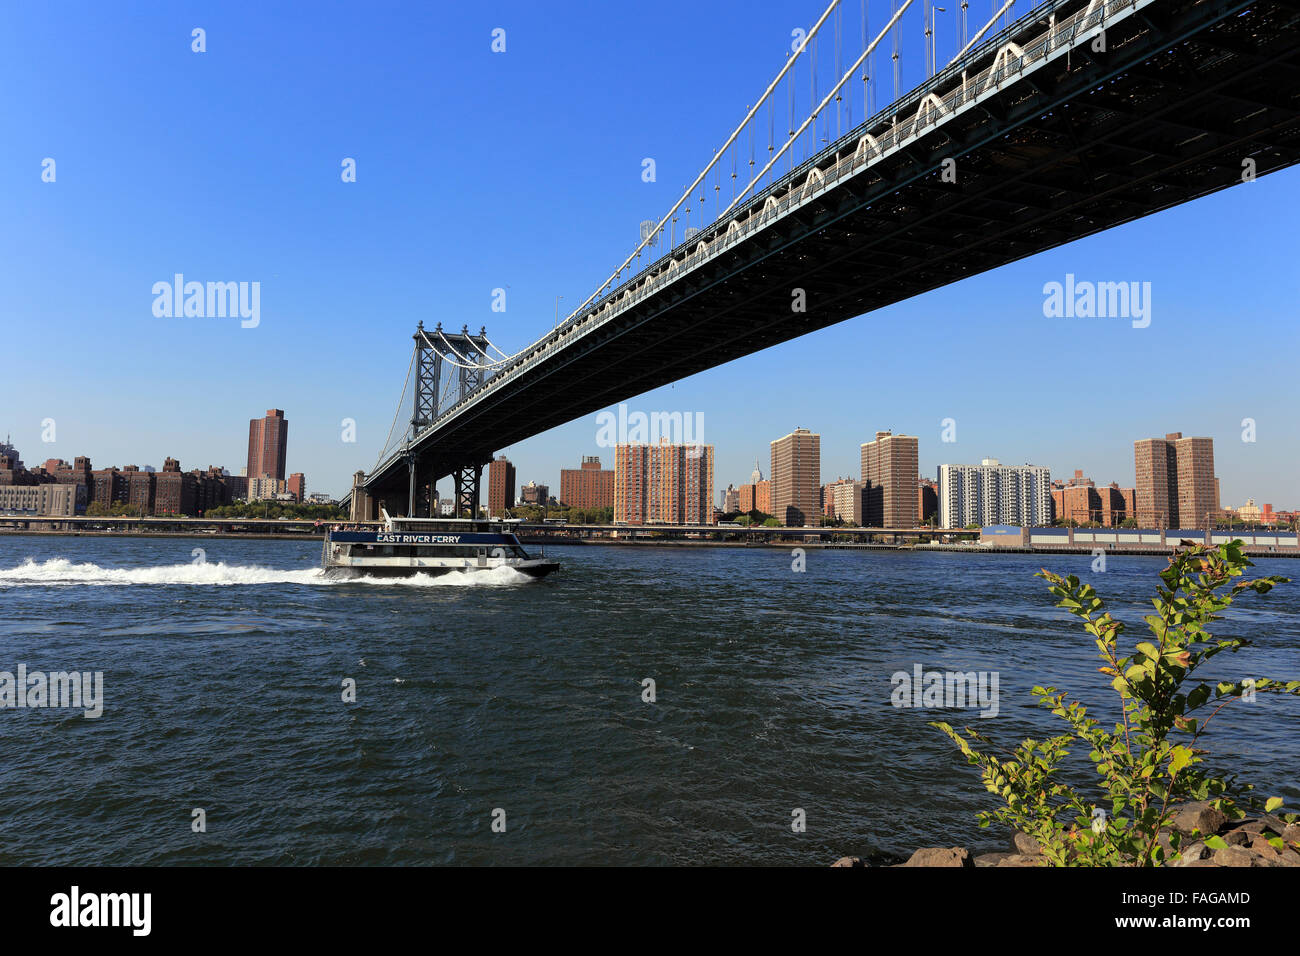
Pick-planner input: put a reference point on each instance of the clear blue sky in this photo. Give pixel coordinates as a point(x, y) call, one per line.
point(522, 170)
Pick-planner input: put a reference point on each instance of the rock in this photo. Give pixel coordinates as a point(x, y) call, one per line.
point(1289, 857)
point(1024, 844)
point(1023, 859)
point(1200, 818)
point(991, 859)
point(848, 861)
point(1209, 863)
point(1197, 851)
point(1275, 824)
point(1263, 848)
point(940, 856)
point(1238, 837)
point(1234, 856)
point(1292, 833)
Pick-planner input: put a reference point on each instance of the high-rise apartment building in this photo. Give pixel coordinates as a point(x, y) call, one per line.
point(1176, 486)
point(992, 493)
point(847, 500)
point(889, 471)
point(268, 439)
point(587, 487)
point(501, 486)
point(663, 484)
point(796, 478)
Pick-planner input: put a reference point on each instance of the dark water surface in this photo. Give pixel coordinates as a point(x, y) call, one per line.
point(222, 686)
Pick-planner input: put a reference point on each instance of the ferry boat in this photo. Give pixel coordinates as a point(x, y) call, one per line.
point(408, 546)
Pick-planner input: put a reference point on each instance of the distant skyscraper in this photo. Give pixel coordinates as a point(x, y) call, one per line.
point(796, 478)
point(534, 494)
point(889, 471)
point(268, 438)
point(992, 493)
point(501, 486)
point(1176, 486)
point(663, 484)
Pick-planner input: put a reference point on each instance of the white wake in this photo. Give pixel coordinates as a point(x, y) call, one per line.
point(60, 572)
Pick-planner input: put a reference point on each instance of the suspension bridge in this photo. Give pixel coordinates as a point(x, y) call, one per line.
point(1077, 117)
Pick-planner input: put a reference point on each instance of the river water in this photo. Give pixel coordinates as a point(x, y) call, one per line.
point(501, 698)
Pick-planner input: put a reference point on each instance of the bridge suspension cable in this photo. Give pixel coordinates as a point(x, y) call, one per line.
point(722, 151)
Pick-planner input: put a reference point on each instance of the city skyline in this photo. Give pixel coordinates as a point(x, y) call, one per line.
point(518, 475)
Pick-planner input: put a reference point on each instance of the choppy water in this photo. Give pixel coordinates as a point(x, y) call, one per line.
point(222, 686)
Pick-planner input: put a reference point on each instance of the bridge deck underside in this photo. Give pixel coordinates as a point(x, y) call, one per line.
point(1077, 147)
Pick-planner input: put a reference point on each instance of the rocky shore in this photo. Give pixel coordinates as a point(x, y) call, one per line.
point(1246, 844)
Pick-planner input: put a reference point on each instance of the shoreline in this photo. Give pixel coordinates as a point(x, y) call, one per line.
point(544, 541)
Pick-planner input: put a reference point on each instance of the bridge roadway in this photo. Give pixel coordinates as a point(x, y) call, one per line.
point(1051, 144)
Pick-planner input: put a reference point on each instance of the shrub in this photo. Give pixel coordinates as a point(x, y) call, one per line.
point(1155, 758)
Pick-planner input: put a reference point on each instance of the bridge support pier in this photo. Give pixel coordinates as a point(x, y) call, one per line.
point(468, 479)
point(410, 497)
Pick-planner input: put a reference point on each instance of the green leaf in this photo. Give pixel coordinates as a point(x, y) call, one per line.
point(1216, 843)
point(1272, 804)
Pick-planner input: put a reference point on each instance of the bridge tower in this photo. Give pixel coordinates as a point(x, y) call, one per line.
point(468, 356)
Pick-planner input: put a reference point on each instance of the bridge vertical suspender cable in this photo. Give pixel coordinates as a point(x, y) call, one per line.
point(843, 79)
point(685, 197)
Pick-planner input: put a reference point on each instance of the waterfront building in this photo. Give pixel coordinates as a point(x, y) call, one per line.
point(587, 487)
point(663, 484)
point(109, 488)
point(796, 478)
point(7, 450)
point(297, 486)
point(268, 440)
point(534, 494)
point(1176, 486)
point(265, 488)
point(757, 495)
point(501, 486)
point(992, 493)
point(47, 498)
point(140, 488)
point(927, 499)
point(847, 500)
point(174, 491)
point(731, 500)
point(889, 470)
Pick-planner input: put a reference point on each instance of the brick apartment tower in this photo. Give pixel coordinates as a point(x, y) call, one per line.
point(501, 486)
point(588, 487)
point(889, 470)
point(1197, 497)
point(268, 438)
point(668, 484)
point(796, 478)
point(1175, 481)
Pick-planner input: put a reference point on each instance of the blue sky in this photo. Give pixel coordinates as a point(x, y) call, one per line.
point(522, 170)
